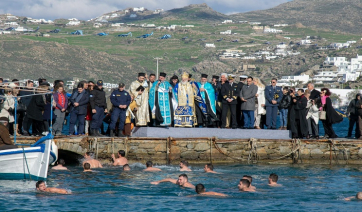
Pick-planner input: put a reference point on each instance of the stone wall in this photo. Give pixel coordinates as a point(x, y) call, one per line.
point(213, 150)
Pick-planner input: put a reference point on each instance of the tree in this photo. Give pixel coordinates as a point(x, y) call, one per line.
point(335, 97)
point(352, 95)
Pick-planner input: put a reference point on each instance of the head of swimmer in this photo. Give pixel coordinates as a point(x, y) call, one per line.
point(208, 167)
point(149, 164)
point(200, 188)
point(87, 166)
point(248, 177)
point(243, 184)
point(183, 164)
point(88, 155)
point(40, 185)
point(182, 179)
point(273, 178)
point(121, 153)
point(126, 167)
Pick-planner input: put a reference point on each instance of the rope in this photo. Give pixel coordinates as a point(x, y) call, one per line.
point(26, 161)
point(253, 151)
point(292, 152)
point(218, 149)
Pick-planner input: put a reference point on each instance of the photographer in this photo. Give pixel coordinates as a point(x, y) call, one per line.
point(312, 116)
point(283, 108)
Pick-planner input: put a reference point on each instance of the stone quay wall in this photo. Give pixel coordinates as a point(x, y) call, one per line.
point(212, 150)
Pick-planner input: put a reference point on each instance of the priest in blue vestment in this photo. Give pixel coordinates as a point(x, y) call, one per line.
point(206, 105)
point(160, 101)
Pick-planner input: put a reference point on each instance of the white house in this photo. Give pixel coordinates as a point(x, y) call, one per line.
point(305, 42)
point(21, 29)
point(11, 24)
point(210, 45)
point(72, 19)
point(73, 23)
point(227, 22)
point(272, 30)
point(254, 23)
point(280, 25)
point(97, 25)
point(293, 80)
point(325, 77)
point(11, 17)
point(227, 32)
point(114, 15)
point(188, 26)
point(281, 46)
point(133, 16)
point(157, 11)
point(116, 24)
point(138, 9)
point(351, 41)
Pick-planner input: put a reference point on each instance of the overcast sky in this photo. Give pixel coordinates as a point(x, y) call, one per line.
point(87, 9)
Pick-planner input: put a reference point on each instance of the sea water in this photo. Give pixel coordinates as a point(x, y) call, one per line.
point(304, 188)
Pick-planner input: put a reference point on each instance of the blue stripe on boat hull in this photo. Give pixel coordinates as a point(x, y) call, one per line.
point(18, 176)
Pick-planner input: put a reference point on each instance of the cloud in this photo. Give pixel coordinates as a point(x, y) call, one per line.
point(86, 9)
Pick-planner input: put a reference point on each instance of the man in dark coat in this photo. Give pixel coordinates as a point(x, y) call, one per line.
point(35, 110)
point(78, 109)
point(98, 103)
point(229, 93)
point(300, 128)
point(26, 100)
point(352, 112)
point(314, 94)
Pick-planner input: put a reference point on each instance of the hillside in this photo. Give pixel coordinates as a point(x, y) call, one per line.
point(334, 15)
point(32, 59)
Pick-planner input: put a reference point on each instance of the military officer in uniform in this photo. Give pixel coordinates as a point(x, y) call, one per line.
point(273, 95)
point(229, 93)
point(120, 100)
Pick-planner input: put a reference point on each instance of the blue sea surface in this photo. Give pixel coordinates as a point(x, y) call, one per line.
point(304, 188)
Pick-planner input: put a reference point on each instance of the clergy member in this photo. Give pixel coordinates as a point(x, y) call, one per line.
point(185, 111)
point(139, 90)
point(161, 101)
point(208, 98)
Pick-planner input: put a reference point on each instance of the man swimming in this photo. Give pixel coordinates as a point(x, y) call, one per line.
point(200, 189)
point(273, 179)
point(87, 167)
point(244, 185)
point(150, 167)
point(250, 178)
point(126, 167)
point(209, 168)
point(182, 181)
point(93, 162)
point(40, 186)
point(121, 160)
point(60, 165)
point(184, 166)
point(358, 196)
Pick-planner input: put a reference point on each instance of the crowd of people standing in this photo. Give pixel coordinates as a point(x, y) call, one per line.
point(220, 103)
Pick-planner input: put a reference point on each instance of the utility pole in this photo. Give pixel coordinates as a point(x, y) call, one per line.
point(157, 58)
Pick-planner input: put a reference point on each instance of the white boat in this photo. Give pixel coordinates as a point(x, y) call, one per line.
point(29, 162)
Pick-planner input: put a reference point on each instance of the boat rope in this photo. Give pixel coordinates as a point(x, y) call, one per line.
point(298, 146)
point(253, 151)
point(223, 153)
point(26, 162)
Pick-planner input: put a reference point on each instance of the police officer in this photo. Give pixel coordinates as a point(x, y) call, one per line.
point(120, 100)
point(229, 93)
point(98, 104)
point(273, 95)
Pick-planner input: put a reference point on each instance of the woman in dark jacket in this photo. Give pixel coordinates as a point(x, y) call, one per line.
point(35, 110)
point(332, 117)
point(78, 109)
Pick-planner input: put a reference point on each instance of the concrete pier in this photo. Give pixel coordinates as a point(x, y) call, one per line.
point(170, 150)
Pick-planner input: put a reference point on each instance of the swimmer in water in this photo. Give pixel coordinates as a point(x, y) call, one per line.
point(182, 181)
point(87, 167)
point(250, 178)
point(209, 168)
point(200, 189)
point(40, 186)
point(184, 166)
point(93, 162)
point(121, 160)
point(126, 167)
point(358, 196)
point(244, 185)
point(150, 167)
point(273, 179)
point(60, 165)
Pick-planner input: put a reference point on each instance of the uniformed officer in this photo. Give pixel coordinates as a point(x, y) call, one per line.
point(229, 93)
point(273, 95)
point(120, 100)
point(98, 104)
